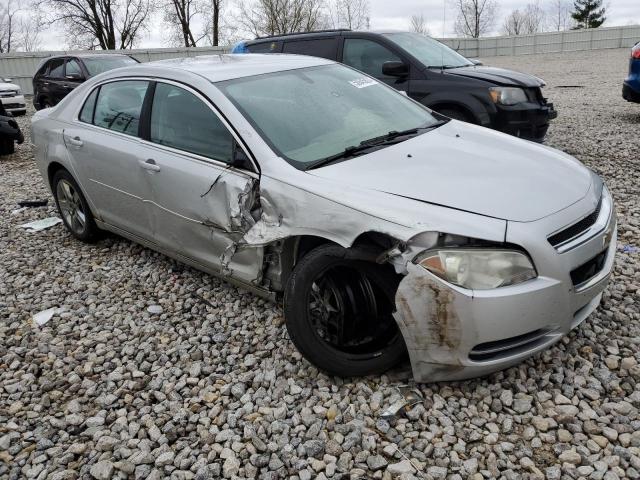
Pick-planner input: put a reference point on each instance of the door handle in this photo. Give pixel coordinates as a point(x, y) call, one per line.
point(149, 164)
point(75, 141)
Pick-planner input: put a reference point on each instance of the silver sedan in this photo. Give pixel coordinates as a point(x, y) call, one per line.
point(386, 229)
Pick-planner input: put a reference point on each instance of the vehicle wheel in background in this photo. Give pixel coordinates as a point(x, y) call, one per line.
point(339, 313)
point(7, 146)
point(73, 208)
point(455, 114)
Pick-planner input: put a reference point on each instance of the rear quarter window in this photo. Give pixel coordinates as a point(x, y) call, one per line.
point(320, 47)
point(265, 47)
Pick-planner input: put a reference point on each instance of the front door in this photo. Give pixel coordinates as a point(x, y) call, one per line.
point(107, 149)
point(202, 205)
point(368, 56)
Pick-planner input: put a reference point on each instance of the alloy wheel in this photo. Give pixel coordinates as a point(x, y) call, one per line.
point(71, 207)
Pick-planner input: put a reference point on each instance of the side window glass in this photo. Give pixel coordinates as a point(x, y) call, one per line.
point(367, 56)
point(265, 47)
point(181, 120)
point(73, 68)
point(86, 114)
point(56, 68)
point(324, 47)
point(119, 105)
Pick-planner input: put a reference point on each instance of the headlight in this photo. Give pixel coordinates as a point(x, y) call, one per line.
point(19, 91)
point(478, 269)
point(507, 95)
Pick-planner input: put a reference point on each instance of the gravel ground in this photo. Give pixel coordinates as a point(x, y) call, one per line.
point(211, 387)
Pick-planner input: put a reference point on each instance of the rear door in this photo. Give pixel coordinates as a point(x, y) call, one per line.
point(368, 56)
point(106, 148)
point(73, 74)
point(54, 81)
point(201, 204)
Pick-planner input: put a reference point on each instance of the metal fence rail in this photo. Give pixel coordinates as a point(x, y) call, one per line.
point(548, 42)
point(21, 66)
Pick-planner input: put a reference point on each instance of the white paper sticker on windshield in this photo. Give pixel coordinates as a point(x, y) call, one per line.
point(363, 82)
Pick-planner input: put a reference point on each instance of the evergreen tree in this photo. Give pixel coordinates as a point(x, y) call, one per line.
point(588, 13)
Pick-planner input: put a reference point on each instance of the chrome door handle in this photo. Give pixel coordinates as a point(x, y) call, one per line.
point(75, 141)
point(149, 164)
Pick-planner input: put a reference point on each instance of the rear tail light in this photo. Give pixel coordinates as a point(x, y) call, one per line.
point(635, 51)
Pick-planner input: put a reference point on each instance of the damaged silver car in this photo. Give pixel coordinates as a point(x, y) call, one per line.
point(386, 228)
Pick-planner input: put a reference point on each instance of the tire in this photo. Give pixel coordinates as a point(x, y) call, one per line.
point(45, 103)
point(7, 146)
point(360, 335)
point(455, 114)
point(73, 208)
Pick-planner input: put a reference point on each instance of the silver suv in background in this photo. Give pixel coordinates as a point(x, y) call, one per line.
point(385, 228)
point(11, 97)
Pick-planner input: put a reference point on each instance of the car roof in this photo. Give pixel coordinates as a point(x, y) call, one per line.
point(217, 68)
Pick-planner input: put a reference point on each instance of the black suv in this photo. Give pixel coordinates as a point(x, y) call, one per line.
point(431, 73)
point(57, 76)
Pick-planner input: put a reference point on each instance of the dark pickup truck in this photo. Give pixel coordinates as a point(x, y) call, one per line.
point(9, 132)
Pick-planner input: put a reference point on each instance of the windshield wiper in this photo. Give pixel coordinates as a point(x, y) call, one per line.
point(448, 67)
point(383, 140)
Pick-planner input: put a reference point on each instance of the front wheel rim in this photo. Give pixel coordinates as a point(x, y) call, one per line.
point(71, 207)
point(350, 312)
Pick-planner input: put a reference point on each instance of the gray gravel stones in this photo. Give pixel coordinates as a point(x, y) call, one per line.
point(209, 386)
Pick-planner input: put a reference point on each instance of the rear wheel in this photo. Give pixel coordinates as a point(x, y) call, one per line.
point(7, 146)
point(339, 313)
point(46, 103)
point(73, 208)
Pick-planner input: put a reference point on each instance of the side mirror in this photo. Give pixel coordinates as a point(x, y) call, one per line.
point(395, 69)
point(475, 61)
point(240, 159)
point(74, 76)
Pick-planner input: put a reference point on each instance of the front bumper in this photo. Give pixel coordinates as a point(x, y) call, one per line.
point(454, 333)
point(16, 104)
point(629, 93)
point(528, 120)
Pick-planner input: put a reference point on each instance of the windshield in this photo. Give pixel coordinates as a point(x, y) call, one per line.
point(313, 113)
point(104, 63)
point(428, 51)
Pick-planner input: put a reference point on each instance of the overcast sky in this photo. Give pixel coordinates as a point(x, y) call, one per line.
point(395, 14)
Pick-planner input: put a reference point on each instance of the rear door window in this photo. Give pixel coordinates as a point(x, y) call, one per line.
point(56, 68)
point(181, 120)
point(319, 47)
point(265, 47)
point(367, 56)
point(73, 68)
point(119, 105)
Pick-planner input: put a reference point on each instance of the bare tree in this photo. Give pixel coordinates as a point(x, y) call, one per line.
point(418, 24)
point(179, 15)
point(524, 22)
point(475, 17)
point(105, 24)
point(29, 32)
point(560, 15)
point(352, 14)
point(276, 17)
point(8, 26)
point(513, 23)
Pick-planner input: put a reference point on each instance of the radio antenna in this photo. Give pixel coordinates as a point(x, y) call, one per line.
point(444, 17)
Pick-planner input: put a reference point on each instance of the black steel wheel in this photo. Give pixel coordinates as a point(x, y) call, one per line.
point(339, 313)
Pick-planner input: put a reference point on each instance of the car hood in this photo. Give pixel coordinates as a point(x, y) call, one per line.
point(499, 76)
point(473, 169)
point(8, 86)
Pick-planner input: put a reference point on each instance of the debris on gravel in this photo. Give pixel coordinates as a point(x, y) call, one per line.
point(150, 369)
